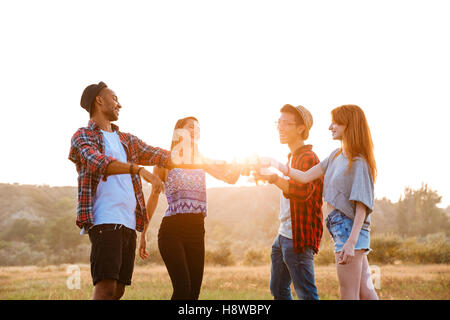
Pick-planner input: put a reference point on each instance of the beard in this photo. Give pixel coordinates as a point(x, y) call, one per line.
point(112, 116)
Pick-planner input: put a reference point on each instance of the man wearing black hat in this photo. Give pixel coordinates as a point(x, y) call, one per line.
point(111, 205)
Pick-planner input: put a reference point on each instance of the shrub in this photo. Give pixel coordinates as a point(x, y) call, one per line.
point(389, 248)
point(23, 230)
point(220, 256)
point(256, 257)
point(19, 254)
point(432, 249)
point(326, 254)
point(386, 248)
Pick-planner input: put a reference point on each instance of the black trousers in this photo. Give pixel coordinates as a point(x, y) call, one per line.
point(181, 242)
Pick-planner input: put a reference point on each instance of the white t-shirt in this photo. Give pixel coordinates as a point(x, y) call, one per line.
point(285, 228)
point(115, 201)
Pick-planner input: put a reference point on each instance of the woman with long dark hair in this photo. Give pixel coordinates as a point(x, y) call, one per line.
point(349, 174)
point(181, 234)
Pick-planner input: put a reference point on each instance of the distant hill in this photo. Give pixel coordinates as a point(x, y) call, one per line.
point(38, 223)
point(41, 219)
point(36, 203)
point(231, 207)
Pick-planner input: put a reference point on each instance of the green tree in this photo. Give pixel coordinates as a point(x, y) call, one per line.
point(62, 234)
point(418, 213)
point(66, 205)
point(383, 219)
point(23, 230)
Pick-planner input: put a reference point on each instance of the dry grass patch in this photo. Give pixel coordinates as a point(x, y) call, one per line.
point(230, 283)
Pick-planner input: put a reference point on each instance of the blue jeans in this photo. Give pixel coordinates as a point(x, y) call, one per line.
point(287, 267)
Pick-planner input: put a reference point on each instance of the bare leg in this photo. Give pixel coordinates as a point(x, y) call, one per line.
point(120, 290)
point(108, 289)
point(367, 290)
point(349, 276)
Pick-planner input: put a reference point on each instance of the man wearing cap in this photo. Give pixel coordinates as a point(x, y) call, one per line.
point(300, 231)
point(111, 205)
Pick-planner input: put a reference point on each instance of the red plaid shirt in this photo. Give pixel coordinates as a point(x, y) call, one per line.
point(87, 152)
point(305, 202)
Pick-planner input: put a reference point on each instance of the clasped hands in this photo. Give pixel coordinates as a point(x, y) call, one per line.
point(258, 168)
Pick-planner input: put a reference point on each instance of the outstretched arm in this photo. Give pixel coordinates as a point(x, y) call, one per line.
point(307, 176)
point(228, 173)
point(117, 167)
point(84, 151)
point(298, 175)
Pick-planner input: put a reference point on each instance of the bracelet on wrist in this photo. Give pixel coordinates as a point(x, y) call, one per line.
point(131, 168)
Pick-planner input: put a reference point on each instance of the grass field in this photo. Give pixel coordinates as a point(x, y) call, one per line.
point(227, 283)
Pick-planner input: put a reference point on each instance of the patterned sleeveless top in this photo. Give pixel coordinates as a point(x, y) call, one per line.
point(185, 191)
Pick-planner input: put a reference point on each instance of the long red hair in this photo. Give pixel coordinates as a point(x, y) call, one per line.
point(356, 140)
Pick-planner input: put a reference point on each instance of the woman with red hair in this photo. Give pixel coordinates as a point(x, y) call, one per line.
point(349, 174)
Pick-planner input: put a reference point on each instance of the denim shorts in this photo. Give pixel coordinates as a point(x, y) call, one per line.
point(340, 227)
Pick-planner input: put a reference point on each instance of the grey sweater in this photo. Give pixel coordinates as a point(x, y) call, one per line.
point(343, 187)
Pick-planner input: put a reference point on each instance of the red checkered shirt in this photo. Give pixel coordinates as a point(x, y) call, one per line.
point(87, 152)
point(305, 202)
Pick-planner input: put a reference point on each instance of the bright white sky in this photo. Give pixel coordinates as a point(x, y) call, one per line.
point(233, 65)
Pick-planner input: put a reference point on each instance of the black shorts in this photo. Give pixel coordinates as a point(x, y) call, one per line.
point(112, 252)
